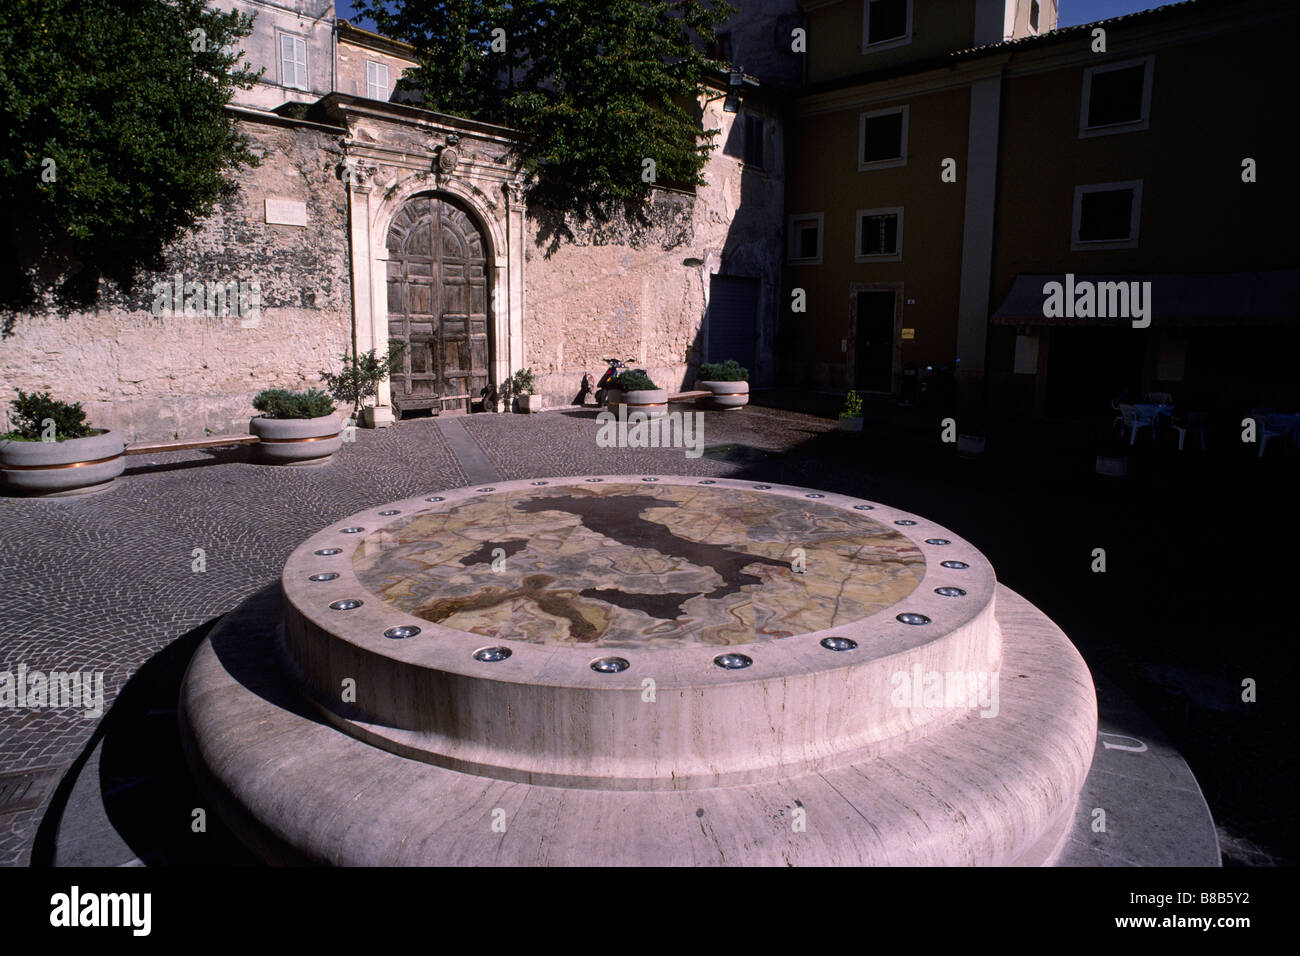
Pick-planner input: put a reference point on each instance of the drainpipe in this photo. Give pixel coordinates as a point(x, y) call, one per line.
point(334, 55)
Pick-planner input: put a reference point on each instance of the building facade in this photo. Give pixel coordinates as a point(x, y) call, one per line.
point(895, 185)
point(949, 160)
point(370, 221)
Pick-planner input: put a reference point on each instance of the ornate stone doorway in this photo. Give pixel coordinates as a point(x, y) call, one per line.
point(437, 305)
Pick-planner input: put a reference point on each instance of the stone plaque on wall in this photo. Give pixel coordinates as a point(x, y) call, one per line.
point(286, 212)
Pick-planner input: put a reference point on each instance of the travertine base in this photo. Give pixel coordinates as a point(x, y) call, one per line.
point(994, 790)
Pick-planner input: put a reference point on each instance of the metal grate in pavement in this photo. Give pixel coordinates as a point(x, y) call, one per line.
point(27, 790)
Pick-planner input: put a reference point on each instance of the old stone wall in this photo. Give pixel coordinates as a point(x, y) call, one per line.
point(635, 290)
point(156, 376)
point(640, 290)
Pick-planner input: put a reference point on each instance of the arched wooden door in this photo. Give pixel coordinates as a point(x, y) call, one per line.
point(437, 305)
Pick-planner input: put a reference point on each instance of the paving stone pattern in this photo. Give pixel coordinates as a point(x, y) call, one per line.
point(105, 581)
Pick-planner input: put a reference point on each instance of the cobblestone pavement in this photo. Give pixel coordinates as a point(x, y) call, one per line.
point(105, 582)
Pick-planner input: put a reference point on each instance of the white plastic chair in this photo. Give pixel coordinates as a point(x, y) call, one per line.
point(1133, 421)
point(1118, 421)
point(1274, 426)
point(1194, 422)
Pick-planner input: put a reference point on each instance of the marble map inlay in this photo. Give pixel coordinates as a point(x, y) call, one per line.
point(635, 566)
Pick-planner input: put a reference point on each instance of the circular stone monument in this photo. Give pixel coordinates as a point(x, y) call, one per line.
point(647, 670)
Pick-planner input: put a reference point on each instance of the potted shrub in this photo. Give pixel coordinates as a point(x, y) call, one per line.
point(728, 381)
point(50, 450)
point(520, 387)
point(295, 428)
point(360, 378)
point(851, 417)
point(634, 391)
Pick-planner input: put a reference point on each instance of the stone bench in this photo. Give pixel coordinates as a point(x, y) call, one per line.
point(438, 402)
point(690, 396)
point(186, 444)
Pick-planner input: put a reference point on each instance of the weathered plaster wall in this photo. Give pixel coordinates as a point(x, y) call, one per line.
point(351, 68)
point(155, 377)
point(640, 291)
point(311, 22)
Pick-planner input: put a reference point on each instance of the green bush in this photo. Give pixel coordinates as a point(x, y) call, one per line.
point(521, 383)
point(362, 374)
point(852, 406)
point(633, 380)
point(30, 412)
point(282, 403)
point(728, 371)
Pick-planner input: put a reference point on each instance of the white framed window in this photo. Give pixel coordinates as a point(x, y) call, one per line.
point(882, 138)
point(377, 87)
point(293, 61)
point(1116, 97)
point(879, 235)
point(886, 24)
point(805, 232)
point(1034, 12)
point(1106, 215)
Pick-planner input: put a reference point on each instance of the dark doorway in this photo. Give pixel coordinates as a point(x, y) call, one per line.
point(437, 305)
point(873, 365)
point(733, 319)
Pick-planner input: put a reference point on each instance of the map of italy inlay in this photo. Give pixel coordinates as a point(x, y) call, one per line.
point(639, 565)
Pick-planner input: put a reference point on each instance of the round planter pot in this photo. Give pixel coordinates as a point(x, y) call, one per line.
point(850, 424)
point(652, 401)
point(1112, 467)
point(296, 441)
point(725, 394)
point(51, 468)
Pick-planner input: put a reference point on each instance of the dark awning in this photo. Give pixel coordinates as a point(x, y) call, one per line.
point(1202, 299)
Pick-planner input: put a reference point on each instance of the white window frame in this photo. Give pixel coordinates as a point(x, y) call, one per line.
point(868, 46)
point(1130, 126)
point(1029, 18)
point(1135, 216)
point(862, 140)
point(285, 80)
point(792, 245)
point(858, 254)
point(387, 77)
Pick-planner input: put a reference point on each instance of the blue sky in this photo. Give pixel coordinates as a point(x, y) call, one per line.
point(1072, 11)
point(1085, 11)
point(343, 9)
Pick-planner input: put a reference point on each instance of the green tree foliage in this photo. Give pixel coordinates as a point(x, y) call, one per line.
point(597, 86)
point(115, 137)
